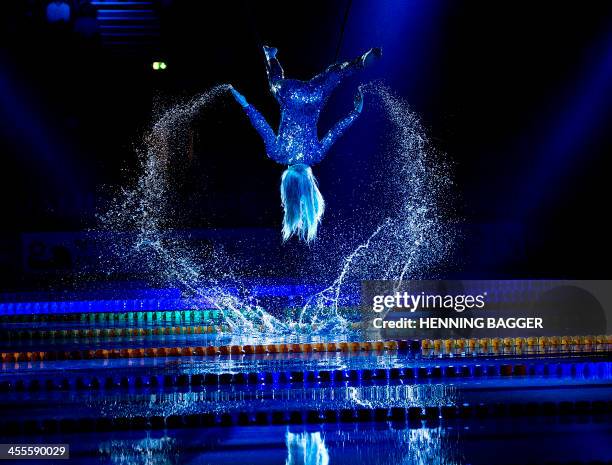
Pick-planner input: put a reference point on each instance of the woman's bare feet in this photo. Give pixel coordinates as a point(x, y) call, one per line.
point(270, 52)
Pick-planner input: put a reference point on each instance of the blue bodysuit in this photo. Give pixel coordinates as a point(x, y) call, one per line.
point(301, 103)
point(297, 143)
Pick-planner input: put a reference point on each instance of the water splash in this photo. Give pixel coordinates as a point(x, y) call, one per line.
point(415, 238)
point(321, 311)
point(144, 208)
point(409, 242)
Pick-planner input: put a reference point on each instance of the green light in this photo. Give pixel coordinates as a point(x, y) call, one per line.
point(159, 65)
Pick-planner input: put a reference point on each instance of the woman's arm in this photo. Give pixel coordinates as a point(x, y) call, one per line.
point(341, 126)
point(258, 122)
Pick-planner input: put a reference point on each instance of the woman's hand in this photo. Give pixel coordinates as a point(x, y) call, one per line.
point(239, 97)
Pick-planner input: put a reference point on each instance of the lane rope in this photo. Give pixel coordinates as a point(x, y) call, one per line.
point(485, 346)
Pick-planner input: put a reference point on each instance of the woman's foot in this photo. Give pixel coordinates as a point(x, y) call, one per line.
point(270, 52)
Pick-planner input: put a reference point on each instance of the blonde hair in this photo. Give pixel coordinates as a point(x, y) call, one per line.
point(302, 202)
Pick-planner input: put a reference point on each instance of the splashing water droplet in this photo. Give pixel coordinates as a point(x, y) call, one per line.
point(408, 243)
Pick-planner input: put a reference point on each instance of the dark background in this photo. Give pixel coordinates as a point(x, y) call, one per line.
point(517, 94)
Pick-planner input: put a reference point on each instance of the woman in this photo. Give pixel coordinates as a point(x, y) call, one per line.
point(297, 143)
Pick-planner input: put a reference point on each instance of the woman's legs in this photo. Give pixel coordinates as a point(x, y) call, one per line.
point(335, 73)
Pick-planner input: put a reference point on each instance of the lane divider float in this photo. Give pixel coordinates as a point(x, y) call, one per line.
point(365, 376)
point(102, 333)
point(494, 346)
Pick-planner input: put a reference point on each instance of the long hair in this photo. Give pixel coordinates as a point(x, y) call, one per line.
point(302, 201)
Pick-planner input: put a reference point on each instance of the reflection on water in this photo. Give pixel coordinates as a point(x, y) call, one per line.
point(306, 449)
point(282, 399)
point(522, 440)
point(420, 446)
point(147, 451)
point(352, 444)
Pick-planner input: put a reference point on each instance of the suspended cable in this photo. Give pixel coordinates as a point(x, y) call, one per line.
point(346, 15)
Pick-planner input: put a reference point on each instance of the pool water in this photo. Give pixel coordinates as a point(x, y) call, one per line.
point(388, 405)
point(506, 441)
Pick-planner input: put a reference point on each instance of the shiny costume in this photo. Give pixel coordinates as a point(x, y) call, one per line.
point(297, 143)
